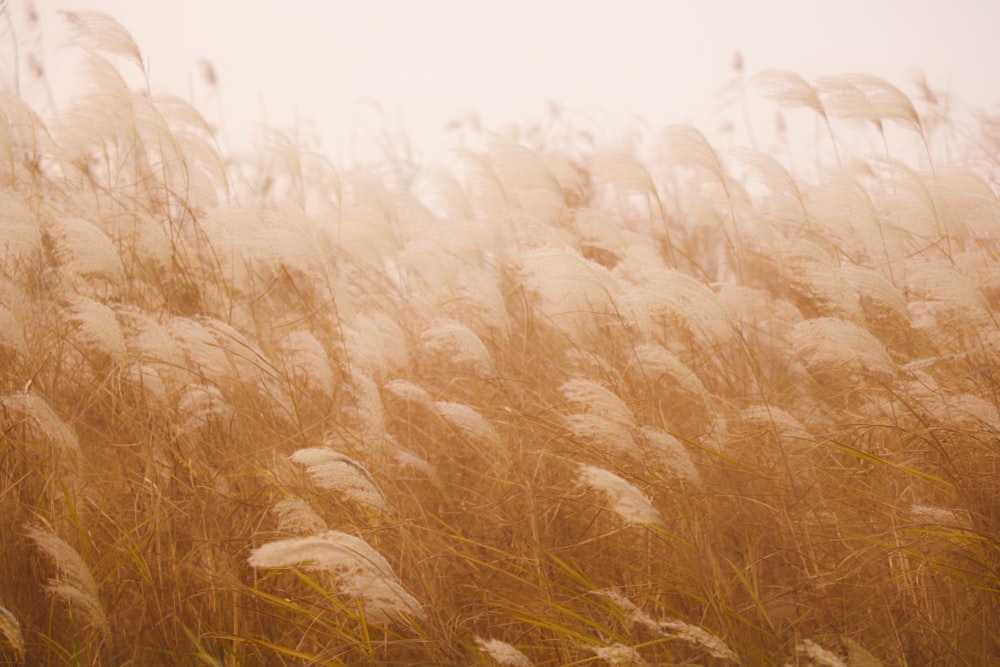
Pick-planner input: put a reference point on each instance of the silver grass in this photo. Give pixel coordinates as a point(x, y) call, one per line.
point(201, 406)
point(11, 332)
point(666, 293)
point(570, 289)
point(635, 615)
point(244, 357)
point(407, 459)
point(368, 410)
point(886, 101)
point(101, 122)
point(84, 251)
point(817, 655)
point(10, 630)
point(248, 240)
point(362, 572)
point(593, 398)
point(572, 180)
point(777, 418)
point(376, 345)
point(409, 391)
point(846, 214)
point(758, 312)
point(786, 204)
point(596, 232)
point(41, 413)
point(949, 407)
point(913, 207)
point(685, 145)
point(540, 209)
point(608, 435)
point(73, 582)
point(474, 297)
point(668, 452)
point(147, 339)
point(296, 516)
point(828, 343)
point(698, 636)
point(940, 516)
point(330, 469)
point(458, 344)
point(202, 351)
point(22, 128)
point(365, 233)
point(672, 628)
point(472, 424)
point(654, 361)
point(813, 276)
point(858, 655)
point(520, 168)
point(967, 201)
point(623, 170)
point(186, 122)
point(618, 654)
point(626, 500)
point(97, 328)
point(877, 293)
point(20, 236)
point(502, 652)
point(308, 362)
point(789, 90)
point(100, 32)
point(844, 99)
point(152, 246)
point(941, 296)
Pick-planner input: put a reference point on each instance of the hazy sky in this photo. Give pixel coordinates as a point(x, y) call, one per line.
point(425, 62)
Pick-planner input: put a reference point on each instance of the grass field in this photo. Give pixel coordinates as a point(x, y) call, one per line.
point(555, 403)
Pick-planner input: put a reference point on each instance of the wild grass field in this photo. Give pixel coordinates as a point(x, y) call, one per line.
point(553, 403)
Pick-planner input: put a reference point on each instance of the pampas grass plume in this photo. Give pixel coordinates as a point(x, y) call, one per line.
point(61, 434)
point(629, 502)
point(618, 655)
point(819, 656)
point(296, 516)
point(502, 652)
point(332, 470)
point(828, 343)
point(10, 629)
point(73, 582)
point(468, 421)
point(362, 572)
point(458, 344)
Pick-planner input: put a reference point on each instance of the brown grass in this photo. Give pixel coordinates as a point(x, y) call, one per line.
point(561, 406)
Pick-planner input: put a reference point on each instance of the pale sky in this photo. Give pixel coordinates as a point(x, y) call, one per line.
point(426, 62)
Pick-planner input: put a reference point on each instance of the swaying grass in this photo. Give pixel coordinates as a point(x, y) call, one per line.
point(557, 404)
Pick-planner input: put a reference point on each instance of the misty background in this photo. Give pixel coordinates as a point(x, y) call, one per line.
point(347, 77)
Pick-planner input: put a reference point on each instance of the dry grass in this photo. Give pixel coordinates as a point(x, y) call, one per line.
point(559, 406)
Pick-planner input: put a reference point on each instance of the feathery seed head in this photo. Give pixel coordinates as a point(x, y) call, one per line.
point(332, 470)
point(73, 582)
point(10, 630)
point(296, 516)
point(502, 652)
point(458, 344)
point(362, 572)
point(629, 502)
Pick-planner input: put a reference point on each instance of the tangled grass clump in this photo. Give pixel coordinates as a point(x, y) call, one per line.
point(564, 405)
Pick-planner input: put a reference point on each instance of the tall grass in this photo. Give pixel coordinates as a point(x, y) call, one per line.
point(563, 404)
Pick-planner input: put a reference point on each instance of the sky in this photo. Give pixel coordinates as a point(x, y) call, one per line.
point(341, 74)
